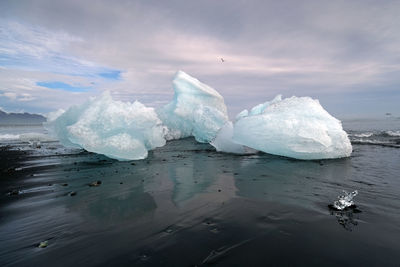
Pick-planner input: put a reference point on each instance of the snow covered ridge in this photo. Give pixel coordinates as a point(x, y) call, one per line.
point(296, 127)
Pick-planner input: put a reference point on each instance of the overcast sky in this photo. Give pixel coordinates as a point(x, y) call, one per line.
point(54, 54)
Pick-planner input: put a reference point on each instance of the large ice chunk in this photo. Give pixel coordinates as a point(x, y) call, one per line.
point(296, 127)
point(196, 110)
point(223, 142)
point(120, 130)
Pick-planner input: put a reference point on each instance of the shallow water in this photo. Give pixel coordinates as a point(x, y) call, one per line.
point(188, 205)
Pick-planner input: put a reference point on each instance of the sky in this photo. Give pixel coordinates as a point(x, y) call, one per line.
point(54, 54)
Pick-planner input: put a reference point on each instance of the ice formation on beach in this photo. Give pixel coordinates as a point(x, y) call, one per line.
point(119, 130)
point(196, 110)
point(296, 127)
point(223, 142)
point(345, 200)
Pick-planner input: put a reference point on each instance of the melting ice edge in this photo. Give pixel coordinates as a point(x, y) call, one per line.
point(296, 127)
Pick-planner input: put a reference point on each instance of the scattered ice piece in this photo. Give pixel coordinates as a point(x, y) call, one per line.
point(120, 130)
point(223, 141)
point(296, 127)
point(96, 183)
point(345, 200)
point(43, 244)
point(196, 110)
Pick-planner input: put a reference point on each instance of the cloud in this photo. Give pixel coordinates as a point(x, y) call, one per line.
point(133, 48)
point(34, 48)
point(10, 95)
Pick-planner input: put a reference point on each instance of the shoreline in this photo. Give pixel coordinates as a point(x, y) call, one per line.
point(187, 199)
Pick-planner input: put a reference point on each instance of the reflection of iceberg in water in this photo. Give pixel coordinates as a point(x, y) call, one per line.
point(344, 210)
point(288, 181)
point(122, 205)
point(188, 183)
point(346, 217)
point(191, 172)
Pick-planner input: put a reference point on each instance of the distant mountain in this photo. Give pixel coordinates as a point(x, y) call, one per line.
point(20, 118)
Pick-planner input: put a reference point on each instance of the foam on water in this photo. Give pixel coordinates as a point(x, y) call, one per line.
point(9, 137)
point(393, 133)
point(27, 137)
point(361, 135)
point(388, 138)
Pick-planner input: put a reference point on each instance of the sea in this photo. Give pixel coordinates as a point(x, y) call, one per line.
point(188, 205)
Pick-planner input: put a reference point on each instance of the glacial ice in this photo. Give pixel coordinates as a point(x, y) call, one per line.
point(296, 127)
point(120, 130)
point(223, 142)
point(345, 200)
point(196, 110)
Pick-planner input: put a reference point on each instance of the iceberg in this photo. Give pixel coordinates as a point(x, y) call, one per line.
point(119, 130)
point(223, 142)
point(296, 127)
point(196, 110)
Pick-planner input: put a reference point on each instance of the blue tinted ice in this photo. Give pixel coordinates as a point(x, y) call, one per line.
point(296, 127)
point(196, 110)
point(223, 142)
point(120, 130)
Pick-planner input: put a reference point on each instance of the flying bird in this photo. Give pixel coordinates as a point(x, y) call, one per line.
point(223, 60)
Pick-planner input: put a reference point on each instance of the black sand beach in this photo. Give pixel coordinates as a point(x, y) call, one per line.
point(187, 205)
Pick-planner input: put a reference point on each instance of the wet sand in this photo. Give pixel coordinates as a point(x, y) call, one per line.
point(187, 205)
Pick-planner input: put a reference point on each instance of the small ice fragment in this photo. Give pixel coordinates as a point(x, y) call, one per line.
point(345, 200)
point(96, 183)
point(43, 244)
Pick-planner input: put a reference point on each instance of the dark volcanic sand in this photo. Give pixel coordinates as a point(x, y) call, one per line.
point(187, 205)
